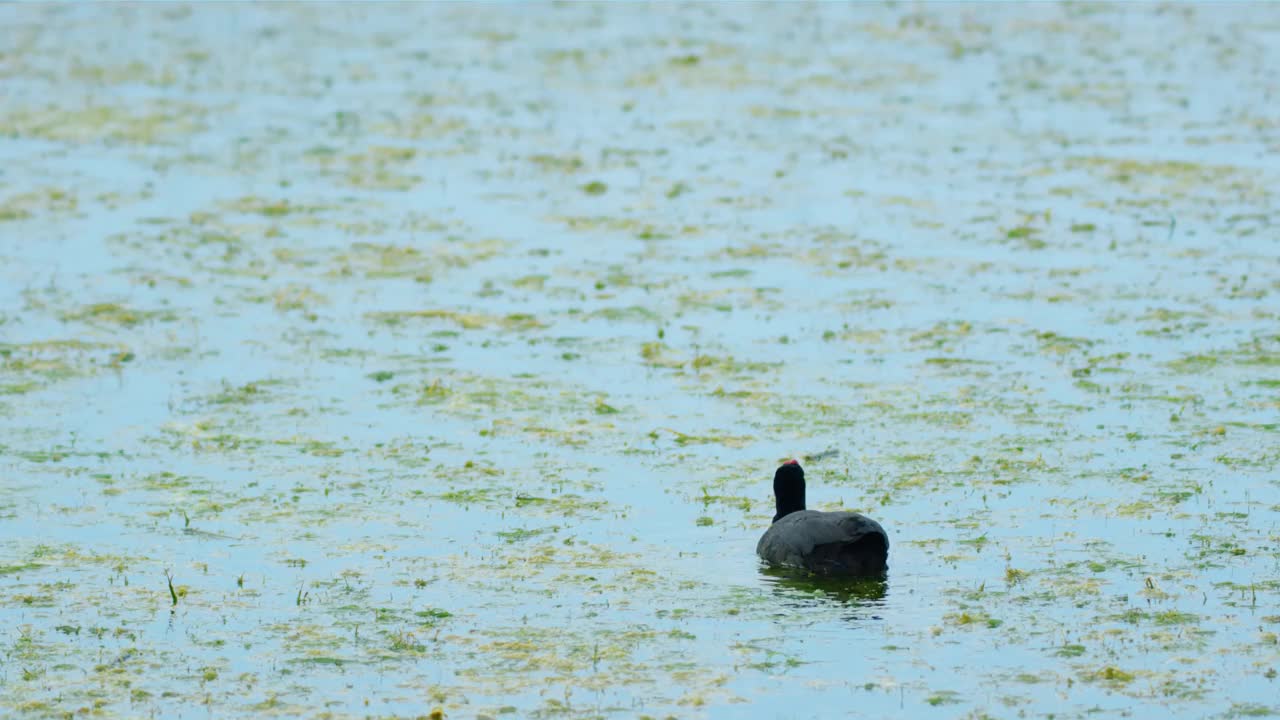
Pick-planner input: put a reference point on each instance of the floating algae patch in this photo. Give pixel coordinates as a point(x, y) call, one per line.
point(377, 168)
point(252, 392)
point(44, 202)
point(253, 205)
point(1171, 178)
point(466, 321)
point(652, 230)
point(146, 123)
point(34, 364)
point(108, 313)
point(375, 260)
point(682, 439)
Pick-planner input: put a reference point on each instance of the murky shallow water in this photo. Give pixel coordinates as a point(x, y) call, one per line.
point(443, 356)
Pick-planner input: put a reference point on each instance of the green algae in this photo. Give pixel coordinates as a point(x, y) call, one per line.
point(466, 321)
point(157, 122)
point(115, 314)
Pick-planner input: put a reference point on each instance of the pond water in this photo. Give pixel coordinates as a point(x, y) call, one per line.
point(394, 360)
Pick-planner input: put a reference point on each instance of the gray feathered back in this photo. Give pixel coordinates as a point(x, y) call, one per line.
point(791, 541)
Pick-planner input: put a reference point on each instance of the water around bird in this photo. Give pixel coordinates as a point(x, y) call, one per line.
point(368, 360)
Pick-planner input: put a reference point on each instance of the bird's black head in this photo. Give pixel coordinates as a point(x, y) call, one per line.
point(788, 489)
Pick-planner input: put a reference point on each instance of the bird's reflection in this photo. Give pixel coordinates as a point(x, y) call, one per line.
point(801, 588)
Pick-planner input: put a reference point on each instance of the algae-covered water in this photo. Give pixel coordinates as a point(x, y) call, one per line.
point(395, 360)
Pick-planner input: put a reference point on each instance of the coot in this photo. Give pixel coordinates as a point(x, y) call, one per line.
point(824, 543)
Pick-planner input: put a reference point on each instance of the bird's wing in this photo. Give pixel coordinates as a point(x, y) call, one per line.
point(802, 531)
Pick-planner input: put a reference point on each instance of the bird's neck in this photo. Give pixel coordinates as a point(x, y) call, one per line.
point(787, 505)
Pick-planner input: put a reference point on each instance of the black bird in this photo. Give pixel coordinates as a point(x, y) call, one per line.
point(824, 543)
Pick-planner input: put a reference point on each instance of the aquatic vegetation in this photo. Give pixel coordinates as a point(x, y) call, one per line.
point(109, 313)
point(149, 122)
point(448, 369)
